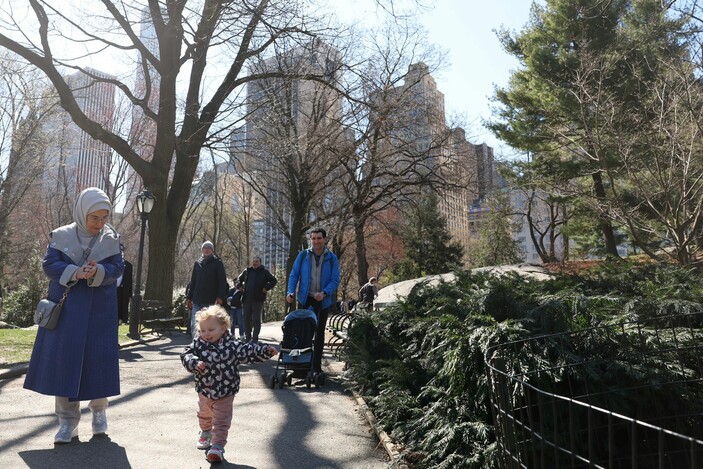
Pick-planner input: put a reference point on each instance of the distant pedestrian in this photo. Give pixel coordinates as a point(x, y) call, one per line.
point(368, 293)
point(315, 275)
point(214, 359)
point(234, 300)
point(124, 292)
point(257, 282)
point(208, 283)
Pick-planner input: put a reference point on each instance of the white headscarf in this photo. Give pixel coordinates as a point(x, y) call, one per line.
point(73, 239)
point(90, 200)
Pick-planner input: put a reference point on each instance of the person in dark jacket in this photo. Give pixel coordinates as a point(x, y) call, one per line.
point(234, 300)
point(257, 281)
point(214, 360)
point(208, 283)
point(368, 293)
point(124, 292)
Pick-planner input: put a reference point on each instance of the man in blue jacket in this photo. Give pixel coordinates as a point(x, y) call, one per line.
point(316, 275)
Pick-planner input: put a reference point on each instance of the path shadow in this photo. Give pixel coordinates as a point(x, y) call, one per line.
point(100, 451)
point(226, 464)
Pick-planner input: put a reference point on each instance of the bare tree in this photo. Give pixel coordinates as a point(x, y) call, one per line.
point(541, 206)
point(648, 150)
point(24, 107)
point(175, 57)
point(293, 128)
point(402, 143)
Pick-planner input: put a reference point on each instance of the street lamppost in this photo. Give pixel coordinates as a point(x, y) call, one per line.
point(145, 202)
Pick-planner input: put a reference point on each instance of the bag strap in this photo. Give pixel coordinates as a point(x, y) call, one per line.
point(86, 251)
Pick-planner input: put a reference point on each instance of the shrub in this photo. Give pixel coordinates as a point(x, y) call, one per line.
point(19, 305)
point(275, 305)
point(179, 303)
point(420, 362)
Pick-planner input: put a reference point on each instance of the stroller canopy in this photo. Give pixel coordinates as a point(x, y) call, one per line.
point(301, 314)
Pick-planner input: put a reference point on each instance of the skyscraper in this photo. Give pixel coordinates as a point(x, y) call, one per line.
point(75, 159)
point(291, 120)
point(142, 135)
point(419, 125)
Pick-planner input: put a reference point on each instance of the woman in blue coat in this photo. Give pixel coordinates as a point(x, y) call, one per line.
point(78, 360)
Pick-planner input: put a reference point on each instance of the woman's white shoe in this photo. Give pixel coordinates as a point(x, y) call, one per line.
point(99, 422)
point(65, 434)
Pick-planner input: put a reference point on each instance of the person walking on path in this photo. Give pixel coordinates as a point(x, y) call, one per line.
point(257, 281)
point(234, 300)
point(208, 283)
point(368, 293)
point(124, 292)
point(79, 359)
point(316, 275)
point(214, 358)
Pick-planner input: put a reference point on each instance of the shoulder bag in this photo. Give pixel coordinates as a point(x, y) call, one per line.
point(48, 313)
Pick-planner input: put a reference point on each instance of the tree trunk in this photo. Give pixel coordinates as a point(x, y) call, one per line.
point(163, 234)
point(564, 237)
point(361, 261)
point(165, 220)
point(296, 240)
point(611, 247)
point(531, 225)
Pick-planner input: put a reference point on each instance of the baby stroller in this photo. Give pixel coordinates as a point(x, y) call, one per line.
point(295, 355)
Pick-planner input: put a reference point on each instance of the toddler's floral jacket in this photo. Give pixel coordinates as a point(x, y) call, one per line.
point(222, 359)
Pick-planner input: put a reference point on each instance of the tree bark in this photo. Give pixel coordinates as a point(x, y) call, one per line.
point(611, 247)
point(361, 260)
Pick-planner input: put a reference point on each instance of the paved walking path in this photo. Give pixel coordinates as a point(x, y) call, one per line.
point(152, 424)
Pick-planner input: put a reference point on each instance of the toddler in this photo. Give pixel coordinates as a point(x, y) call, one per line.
point(213, 358)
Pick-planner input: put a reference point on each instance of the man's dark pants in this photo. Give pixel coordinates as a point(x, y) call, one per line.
point(320, 332)
point(252, 319)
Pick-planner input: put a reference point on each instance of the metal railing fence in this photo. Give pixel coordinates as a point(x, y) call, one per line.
point(626, 395)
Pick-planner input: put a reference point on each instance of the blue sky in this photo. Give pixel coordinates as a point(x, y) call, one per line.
point(465, 28)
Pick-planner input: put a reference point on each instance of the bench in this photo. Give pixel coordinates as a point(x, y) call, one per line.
point(159, 318)
point(338, 324)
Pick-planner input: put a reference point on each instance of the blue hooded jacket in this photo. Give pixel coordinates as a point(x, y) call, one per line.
point(329, 276)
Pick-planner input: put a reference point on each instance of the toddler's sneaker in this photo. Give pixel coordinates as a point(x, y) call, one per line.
point(215, 453)
point(65, 434)
point(99, 422)
point(204, 440)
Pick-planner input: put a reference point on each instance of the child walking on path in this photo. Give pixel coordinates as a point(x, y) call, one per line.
point(214, 358)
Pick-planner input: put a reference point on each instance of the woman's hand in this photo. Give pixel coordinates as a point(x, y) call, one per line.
point(87, 271)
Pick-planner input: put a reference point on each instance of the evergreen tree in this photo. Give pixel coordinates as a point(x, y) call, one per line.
point(429, 248)
point(584, 100)
point(496, 245)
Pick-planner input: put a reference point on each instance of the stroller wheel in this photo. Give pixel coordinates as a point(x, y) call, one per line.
point(290, 379)
point(308, 380)
point(272, 381)
point(319, 379)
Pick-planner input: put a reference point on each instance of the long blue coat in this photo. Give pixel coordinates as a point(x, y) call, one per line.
point(80, 358)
